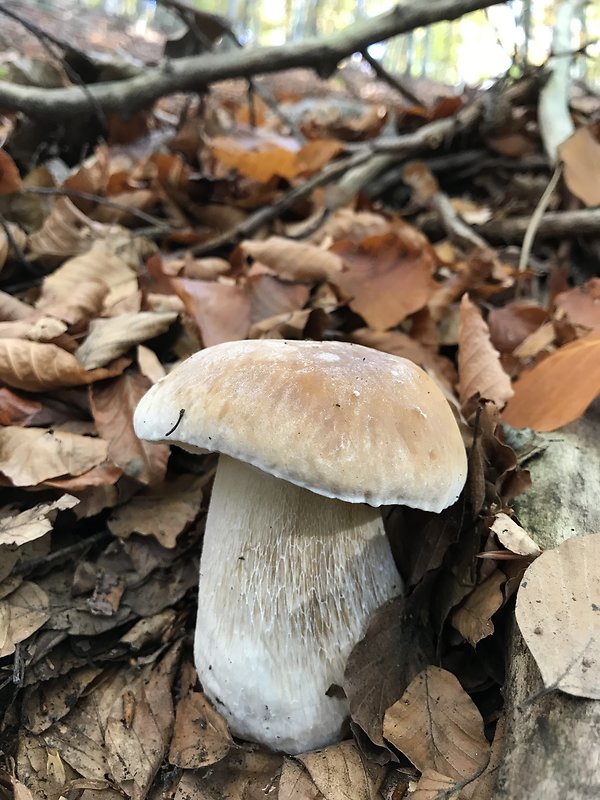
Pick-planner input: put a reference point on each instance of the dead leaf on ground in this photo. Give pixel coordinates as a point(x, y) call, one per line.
point(11, 308)
point(558, 613)
point(18, 235)
point(10, 179)
point(17, 529)
point(29, 456)
point(110, 338)
point(66, 232)
point(558, 389)
point(17, 410)
point(345, 223)
point(221, 310)
point(484, 787)
point(22, 613)
point(163, 513)
point(46, 702)
point(295, 783)
point(201, 736)
point(514, 537)
point(582, 304)
point(341, 772)
point(513, 323)
point(41, 367)
point(83, 302)
point(433, 786)
point(473, 618)
point(580, 154)
point(438, 727)
point(149, 364)
point(270, 297)
point(292, 260)
point(243, 775)
point(479, 369)
point(263, 165)
point(385, 277)
point(113, 404)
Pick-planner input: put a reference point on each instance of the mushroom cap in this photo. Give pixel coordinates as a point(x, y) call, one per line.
point(342, 420)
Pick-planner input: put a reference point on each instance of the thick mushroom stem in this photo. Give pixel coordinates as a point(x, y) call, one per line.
point(288, 581)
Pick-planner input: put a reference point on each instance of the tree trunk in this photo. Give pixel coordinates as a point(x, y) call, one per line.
point(552, 744)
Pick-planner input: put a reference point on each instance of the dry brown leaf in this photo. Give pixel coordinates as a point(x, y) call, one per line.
point(46, 702)
point(221, 310)
point(113, 404)
point(513, 536)
point(355, 226)
point(580, 154)
point(270, 297)
point(243, 775)
point(582, 304)
point(66, 232)
point(17, 410)
point(513, 323)
point(22, 613)
point(19, 790)
point(385, 277)
point(341, 772)
point(536, 342)
point(103, 475)
point(164, 513)
point(473, 618)
point(433, 786)
point(296, 261)
point(149, 364)
point(484, 787)
point(110, 338)
point(264, 165)
point(19, 236)
point(437, 726)
point(39, 367)
point(558, 613)
point(12, 308)
point(42, 329)
point(201, 736)
point(99, 264)
point(199, 269)
point(558, 389)
point(10, 180)
point(479, 369)
point(295, 783)
point(29, 456)
point(17, 529)
point(83, 302)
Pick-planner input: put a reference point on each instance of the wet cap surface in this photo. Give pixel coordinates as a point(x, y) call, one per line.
point(340, 419)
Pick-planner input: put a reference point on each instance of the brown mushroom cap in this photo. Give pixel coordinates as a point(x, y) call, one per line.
point(342, 420)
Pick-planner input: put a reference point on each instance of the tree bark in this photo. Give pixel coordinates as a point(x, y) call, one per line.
point(552, 743)
point(197, 72)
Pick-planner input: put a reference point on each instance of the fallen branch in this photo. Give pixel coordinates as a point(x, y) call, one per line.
point(197, 72)
point(553, 225)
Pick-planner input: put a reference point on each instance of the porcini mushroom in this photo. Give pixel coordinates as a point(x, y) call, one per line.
point(294, 563)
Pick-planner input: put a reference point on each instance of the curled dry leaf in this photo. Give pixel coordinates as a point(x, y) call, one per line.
point(558, 613)
point(221, 310)
point(473, 618)
point(110, 338)
point(29, 456)
point(582, 304)
point(296, 261)
point(341, 772)
point(479, 369)
point(41, 367)
point(201, 736)
point(22, 613)
point(559, 388)
point(513, 536)
point(113, 404)
point(18, 529)
point(438, 727)
point(580, 154)
point(386, 277)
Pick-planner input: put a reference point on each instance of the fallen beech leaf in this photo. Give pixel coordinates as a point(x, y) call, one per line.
point(513, 323)
point(83, 302)
point(438, 727)
point(105, 474)
point(164, 513)
point(270, 297)
point(433, 786)
point(10, 180)
point(582, 304)
point(536, 342)
point(17, 410)
point(34, 522)
point(49, 701)
point(243, 775)
point(484, 786)
point(580, 154)
point(513, 537)
point(201, 736)
point(386, 277)
point(29, 456)
point(200, 269)
point(110, 338)
point(149, 364)
point(263, 165)
point(296, 261)
point(558, 389)
point(220, 310)
point(22, 613)
point(355, 226)
point(340, 772)
point(18, 235)
point(558, 613)
point(479, 369)
point(42, 329)
point(113, 404)
point(295, 783)
point(473, 618)
point(66, 232)
point(12, 308)
point(39, 367)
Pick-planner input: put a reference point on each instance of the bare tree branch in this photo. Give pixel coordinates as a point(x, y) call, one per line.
point(197, 72)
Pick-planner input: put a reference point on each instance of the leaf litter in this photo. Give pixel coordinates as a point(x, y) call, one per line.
point(100, 533)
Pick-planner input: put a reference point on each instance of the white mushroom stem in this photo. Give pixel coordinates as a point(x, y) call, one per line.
point(288, 582)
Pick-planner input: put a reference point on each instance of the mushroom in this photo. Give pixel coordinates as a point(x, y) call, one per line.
point(294, 563)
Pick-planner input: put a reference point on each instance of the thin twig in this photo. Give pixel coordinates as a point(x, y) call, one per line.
point(61, 555)
point(392, 80)
point(536, 219)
